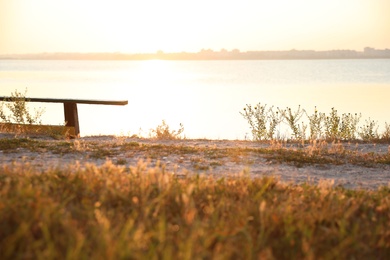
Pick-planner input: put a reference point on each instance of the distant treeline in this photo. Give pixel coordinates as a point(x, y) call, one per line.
point(208, 54)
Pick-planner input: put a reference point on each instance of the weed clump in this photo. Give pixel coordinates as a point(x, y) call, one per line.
point(369, 131)
point(292, 120)
point(386, 133)
point(263, 121)
point(321, 126)
point(163, 132)
point(14, 110)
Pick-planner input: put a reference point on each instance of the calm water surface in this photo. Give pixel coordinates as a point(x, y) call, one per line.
point(205, 96)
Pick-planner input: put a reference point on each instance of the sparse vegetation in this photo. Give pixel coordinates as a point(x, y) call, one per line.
point(321, 126)
point(201, 158)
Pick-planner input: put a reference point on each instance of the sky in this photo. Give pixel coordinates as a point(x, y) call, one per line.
point(147, 26)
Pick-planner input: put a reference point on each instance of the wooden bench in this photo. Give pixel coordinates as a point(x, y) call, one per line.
point(70, 107)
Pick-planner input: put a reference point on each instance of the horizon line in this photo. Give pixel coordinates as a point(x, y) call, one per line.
point(178, 52)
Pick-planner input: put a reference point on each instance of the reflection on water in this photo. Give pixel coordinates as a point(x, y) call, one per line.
point(205, 96)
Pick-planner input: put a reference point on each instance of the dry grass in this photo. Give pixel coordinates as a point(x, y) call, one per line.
point(112, 212)
point(315, 153)
point(27, 130)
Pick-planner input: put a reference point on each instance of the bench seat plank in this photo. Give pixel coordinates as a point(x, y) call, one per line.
point(78, 101)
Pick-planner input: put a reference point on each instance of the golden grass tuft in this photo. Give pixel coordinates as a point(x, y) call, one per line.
point(26, 130)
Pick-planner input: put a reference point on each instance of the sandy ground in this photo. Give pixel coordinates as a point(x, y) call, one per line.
point(346, 175)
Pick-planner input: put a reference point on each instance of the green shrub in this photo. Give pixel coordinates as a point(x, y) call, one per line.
point(386, 133)
point(348, 127)
point(14, 110)
point(369, 131)
point(263, 121)
point(342, 127)
point(292, 119)
point(316, 124)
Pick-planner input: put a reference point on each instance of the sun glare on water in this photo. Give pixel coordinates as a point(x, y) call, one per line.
point(155, 93)
point(153, 73)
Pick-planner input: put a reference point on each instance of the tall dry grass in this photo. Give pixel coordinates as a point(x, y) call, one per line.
point(113, 212)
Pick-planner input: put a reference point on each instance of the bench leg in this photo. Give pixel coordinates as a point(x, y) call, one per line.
point(71, 116)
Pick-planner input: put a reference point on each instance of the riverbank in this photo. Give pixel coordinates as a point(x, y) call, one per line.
point(350, 165)
point(111, 197)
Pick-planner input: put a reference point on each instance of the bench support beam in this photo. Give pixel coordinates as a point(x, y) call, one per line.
point(71, 116)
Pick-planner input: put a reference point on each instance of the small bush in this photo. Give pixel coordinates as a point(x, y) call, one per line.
point(15, 110)
point(163, 132)
point(386, 133)
point(348, 126)
point(332, 123)
point(263, 121)
point(369, 131)
point(316, 124)
point(342, 127)
point(292, 119)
